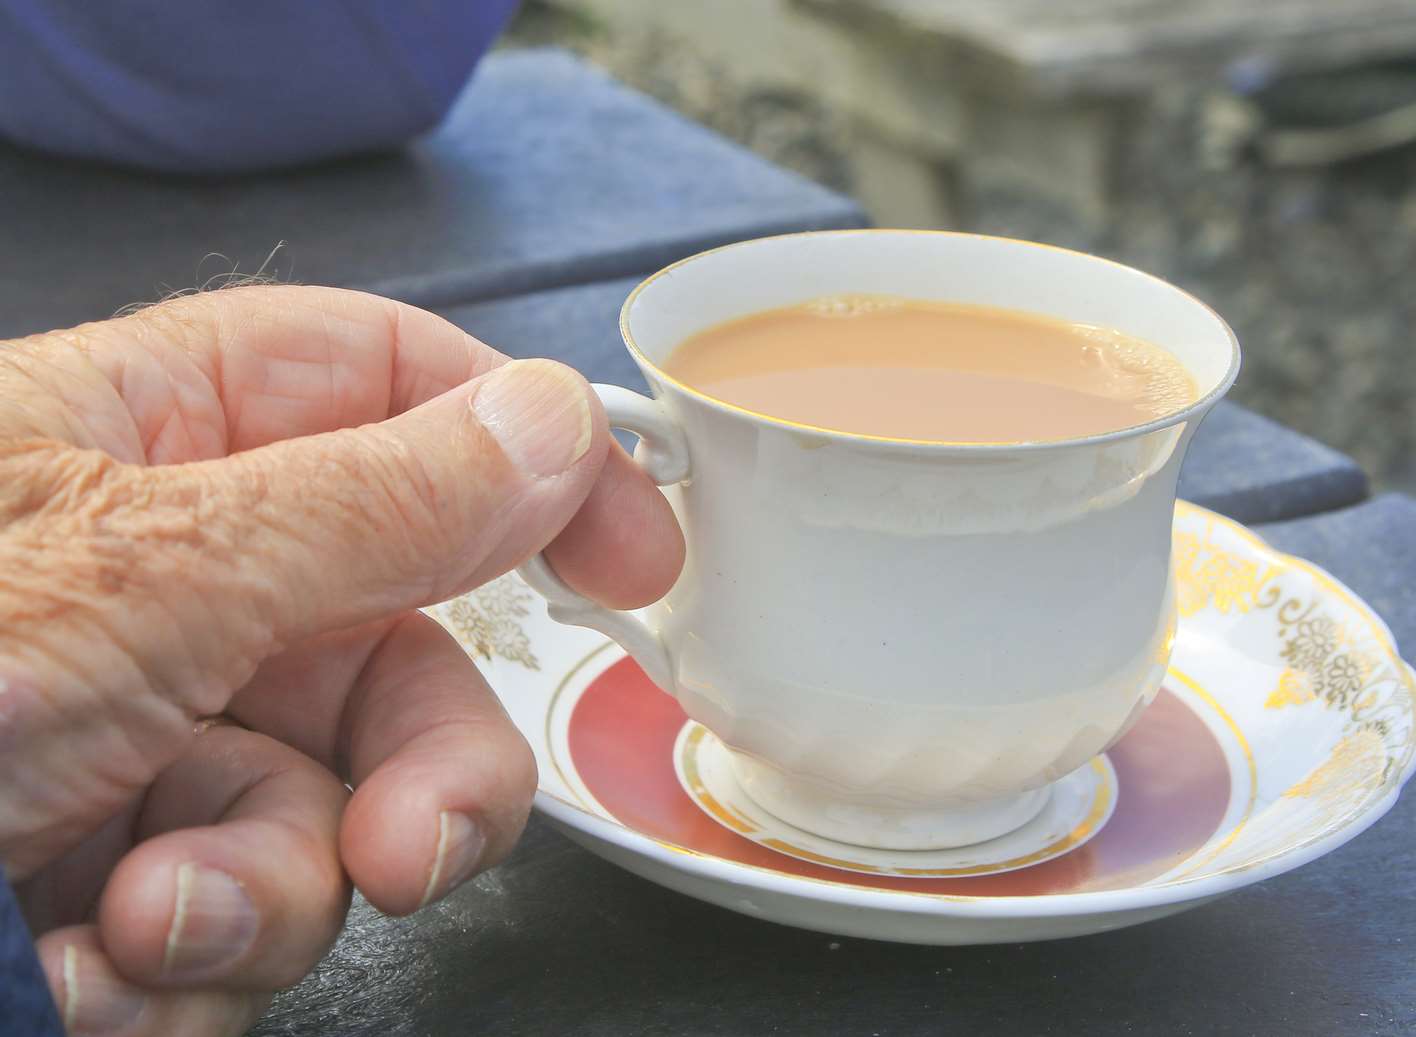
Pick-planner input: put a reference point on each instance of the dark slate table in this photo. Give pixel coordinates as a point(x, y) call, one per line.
point(526, 220)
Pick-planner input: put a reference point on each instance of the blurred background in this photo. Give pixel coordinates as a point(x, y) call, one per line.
point(1281, 191)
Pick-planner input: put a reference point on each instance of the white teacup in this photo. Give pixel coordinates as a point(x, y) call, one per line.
point(905, 643)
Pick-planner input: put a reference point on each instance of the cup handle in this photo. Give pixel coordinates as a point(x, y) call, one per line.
point(663, 454)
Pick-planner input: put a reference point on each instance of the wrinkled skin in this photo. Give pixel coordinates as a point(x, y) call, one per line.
point(233, 503)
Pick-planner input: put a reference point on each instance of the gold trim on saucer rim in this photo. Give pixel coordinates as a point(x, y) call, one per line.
point(550, 740)
point(1227, 587)
point(1193, 686)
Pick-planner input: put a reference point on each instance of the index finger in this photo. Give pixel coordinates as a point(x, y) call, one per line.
point(275, 362)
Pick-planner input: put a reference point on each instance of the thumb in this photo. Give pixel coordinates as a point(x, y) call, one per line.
point(196, 572)
point(331, 530)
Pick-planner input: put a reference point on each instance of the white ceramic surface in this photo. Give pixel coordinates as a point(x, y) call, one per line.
point(1293, 685)
point(905, 643)
point(1078, 807)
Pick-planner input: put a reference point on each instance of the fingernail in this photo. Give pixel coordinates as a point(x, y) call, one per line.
point(460, 845)
point(539, 414)
point(213, 922)
point(95, 1001)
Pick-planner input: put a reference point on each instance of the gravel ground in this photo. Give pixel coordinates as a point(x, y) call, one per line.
point(1314, 268)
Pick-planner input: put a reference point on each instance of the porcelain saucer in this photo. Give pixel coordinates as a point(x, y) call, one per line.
point(1286, 726)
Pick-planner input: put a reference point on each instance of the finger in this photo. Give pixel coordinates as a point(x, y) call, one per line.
point(204, 375)
point(443, 779)
point(66, 891)
point(94, 1000)
point(300, 360)
point(275, 362)
point(237, 882)
point(623, 547)
point(301, 696)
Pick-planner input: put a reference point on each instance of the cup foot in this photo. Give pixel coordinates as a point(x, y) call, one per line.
point(808, 806)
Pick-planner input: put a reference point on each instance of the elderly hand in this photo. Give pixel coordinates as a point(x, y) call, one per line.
point(232, 504)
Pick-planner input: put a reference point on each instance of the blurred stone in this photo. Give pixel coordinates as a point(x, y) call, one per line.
point(1312, 266)
point(1115, 46)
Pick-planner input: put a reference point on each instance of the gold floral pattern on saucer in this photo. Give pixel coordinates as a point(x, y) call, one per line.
point(488, 621)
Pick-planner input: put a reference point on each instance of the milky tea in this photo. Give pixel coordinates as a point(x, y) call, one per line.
point(901, 368)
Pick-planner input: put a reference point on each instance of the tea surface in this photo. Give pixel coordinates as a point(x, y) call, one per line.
point(913, 369)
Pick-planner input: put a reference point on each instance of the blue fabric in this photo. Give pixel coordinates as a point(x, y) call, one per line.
point(208, 86)
point(26, 1009)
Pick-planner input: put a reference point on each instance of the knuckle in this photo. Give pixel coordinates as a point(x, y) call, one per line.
point(180, 318)
point(128, 554)
point(59, 496)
